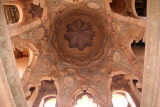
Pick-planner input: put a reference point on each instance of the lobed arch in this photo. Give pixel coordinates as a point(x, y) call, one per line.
point(34, 54)
point(38, 84)
point(50, 95)
point(97, 99)
point(133, 89)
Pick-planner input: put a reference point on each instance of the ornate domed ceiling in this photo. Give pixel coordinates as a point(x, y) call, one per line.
point(80, 37)
point(81, 45)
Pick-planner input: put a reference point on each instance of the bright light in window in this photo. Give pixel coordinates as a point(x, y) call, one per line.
point(85, 102)
point(119, 100)
point(50, 103)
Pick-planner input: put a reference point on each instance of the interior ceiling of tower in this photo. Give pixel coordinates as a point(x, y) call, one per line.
point(76, 45)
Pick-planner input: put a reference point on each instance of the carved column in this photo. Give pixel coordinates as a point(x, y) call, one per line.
point(151, 76)
point(8, 62)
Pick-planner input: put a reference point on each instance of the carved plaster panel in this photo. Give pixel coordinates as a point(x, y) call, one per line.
point(120, 27)
point(68, 82)
point(120, 61)
point(43, 66)
point(53, 4)
point(74, 1)
point(98, 81)
point(95, 4)
point(36, 34)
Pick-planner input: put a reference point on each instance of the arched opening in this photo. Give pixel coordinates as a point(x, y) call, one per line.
point(122, 86)
point(50, 102)
point(141, 7)
point(85, 99)
point(11, 14)
point(118, 6)
point(138, 50)
point(22, 59)
point(119, 100)
point(46, 95)
point(122, 99)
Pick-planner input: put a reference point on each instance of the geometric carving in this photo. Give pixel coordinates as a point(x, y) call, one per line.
point(116, 57)
point(54, 3)
point(120, 61)
point(98, 81)
point(36, 34)
point(39, 33)
point(69, 83)
point(43, 66)
point(120, 27)
point(79, 34)
point(95, 4)
point(36, 10)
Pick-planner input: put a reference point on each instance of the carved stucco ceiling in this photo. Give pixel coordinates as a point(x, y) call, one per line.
point(80, 37)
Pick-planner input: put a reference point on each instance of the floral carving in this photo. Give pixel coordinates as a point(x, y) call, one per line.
point(79, 34)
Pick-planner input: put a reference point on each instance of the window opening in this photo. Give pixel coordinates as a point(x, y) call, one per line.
point(85, 99)
point(119, 100)
point(11, 13)
point(141, 7)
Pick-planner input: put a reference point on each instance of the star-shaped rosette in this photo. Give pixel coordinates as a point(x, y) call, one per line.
point(79, 34)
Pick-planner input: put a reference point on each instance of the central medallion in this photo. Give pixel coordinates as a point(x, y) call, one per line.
point(79, 37)
point(79, 34)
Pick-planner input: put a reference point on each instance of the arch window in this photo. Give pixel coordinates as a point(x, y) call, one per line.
point(11, 14)
point(119, 100)
point(141, 7)
point(22, 59)
point(85, 99)
point(51, 102)
point(122, 99)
